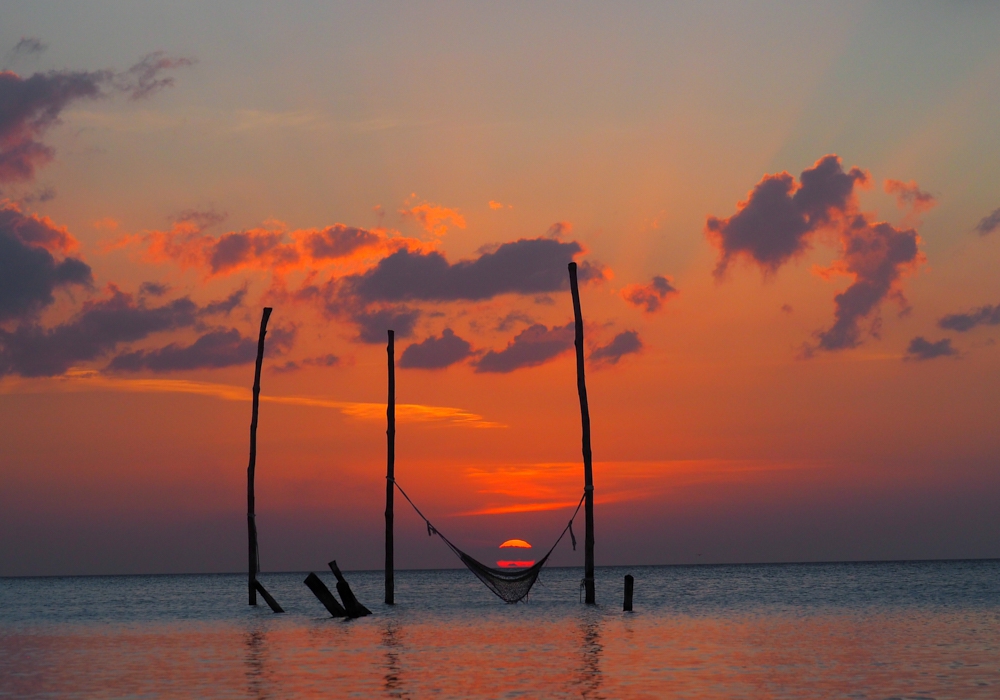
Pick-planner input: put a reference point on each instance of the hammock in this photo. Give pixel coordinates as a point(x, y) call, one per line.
point(509, 586)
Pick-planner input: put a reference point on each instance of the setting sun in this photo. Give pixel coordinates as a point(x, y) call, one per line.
point(516, 543)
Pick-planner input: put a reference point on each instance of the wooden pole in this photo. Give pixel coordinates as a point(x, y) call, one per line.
point(588, 470)
point(390, 473)
point(629, 583)
point(324, 595)
point(254, 565)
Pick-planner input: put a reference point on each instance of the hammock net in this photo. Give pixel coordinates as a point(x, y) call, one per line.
point(509, 585)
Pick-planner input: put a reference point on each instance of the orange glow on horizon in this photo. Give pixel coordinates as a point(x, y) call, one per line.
point(505, 564)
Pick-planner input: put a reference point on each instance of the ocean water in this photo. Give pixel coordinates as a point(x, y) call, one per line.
point(867, 630)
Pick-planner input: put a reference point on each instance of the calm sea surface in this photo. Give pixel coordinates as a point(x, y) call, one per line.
point(888, 630)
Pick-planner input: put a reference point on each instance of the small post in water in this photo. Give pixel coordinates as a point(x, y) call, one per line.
point(588, 469)
point(629, 582)
point(254, 565)
point(390, 472)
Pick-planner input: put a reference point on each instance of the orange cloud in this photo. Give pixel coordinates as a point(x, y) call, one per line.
point(76, 380)
point(434, 218)
point(499, 205)
point(35, 230)
point(271, 247)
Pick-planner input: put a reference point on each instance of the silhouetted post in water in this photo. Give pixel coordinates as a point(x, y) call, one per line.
point(588, 470)
point(268, 598)
point(390, 471)
point(629, 582)
point(251, 521)
point(351, 604)
point(327, 598)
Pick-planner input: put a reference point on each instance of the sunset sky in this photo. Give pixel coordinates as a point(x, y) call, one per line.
point(787, 221)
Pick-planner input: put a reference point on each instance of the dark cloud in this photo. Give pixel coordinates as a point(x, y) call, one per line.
point(200, 219)
point(33, 351)
point(983, 316)
point(338, 241)
point(526, 266)
point(153, 289)
point(215, 349)
point(226, 306)
point(328, 360)
point(321, 361)
point(29, 273)
point(988, 224)
point(922, 349)
point(27, 46)
point(778, 222)
point(29, 106)
point(649, 297)
point(148, 75)
point(436, 353)
point(534, 345)
point(373, 323)
point(877, 255)
point(508, 321)
point(909, 194)
point(625, 343)
point(775, 223)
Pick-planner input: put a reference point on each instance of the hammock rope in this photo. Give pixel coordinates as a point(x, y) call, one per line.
point(509, 586)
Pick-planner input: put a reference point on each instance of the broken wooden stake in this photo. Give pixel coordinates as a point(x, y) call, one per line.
point(629, 582)
point(254, 564)
point(327, 598)
point(351, 604)
point(268, 598)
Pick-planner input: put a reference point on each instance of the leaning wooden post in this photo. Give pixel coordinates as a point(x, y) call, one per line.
point(251, 521)
point(588, 470)
point(629, 584)
point(390, 472)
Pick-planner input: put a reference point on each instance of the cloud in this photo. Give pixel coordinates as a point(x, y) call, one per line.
point(625, 343)
point(983, 316)
point(29, 272)
point(533, 346)
point(27, 46)
point(436, 353)
point(775, 222)
point(876, 255)
point(494, 205)
point(988, 224)
point(147, 76)
point(30, 106)
point(649, 297)
point(153, 289)
point(226, 306)
point(779, 220)
point(405, 413)
point(525, 266)
point(560, 229)
point(328, 360)
point(909, 194)
point(922, 349)
point(215, 349)
point(434, 218)
point(271, 247)
point(100, 326)
point(374, 323)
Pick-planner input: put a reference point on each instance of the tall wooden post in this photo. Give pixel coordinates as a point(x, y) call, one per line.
point(254, 566)
point(588, 470)
point(390, 471)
